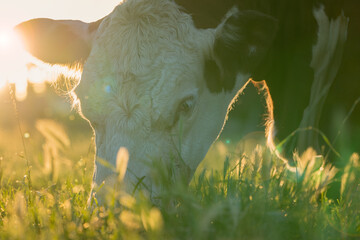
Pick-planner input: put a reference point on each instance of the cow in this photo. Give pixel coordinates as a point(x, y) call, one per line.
point(152, 81)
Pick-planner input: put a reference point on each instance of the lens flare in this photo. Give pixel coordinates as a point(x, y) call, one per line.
point(18, 67)
point(13, 63)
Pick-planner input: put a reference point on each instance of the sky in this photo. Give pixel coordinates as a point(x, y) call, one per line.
point(13, 58)
point(13, 12)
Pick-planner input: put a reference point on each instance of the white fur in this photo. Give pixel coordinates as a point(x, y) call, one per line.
point(147, 57)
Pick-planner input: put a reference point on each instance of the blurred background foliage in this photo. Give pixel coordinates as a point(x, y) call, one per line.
point(232, 199)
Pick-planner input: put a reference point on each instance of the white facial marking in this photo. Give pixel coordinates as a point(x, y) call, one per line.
point(144, 79)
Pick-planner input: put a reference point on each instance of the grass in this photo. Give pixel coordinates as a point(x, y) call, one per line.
point(44, 189)
point(252, 196)
point(240, 191)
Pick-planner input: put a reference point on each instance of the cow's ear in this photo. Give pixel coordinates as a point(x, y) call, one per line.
point(241, 43)
point(58, 41)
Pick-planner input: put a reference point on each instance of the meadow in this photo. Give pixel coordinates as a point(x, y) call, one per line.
point(240, 191)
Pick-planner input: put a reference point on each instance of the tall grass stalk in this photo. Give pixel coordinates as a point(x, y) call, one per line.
point(250, 197)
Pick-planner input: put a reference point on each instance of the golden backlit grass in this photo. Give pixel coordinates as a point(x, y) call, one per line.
point(251, 196)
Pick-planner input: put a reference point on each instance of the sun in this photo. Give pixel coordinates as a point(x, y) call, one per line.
point(13, 60)
point(4, 40)
point(18, 67)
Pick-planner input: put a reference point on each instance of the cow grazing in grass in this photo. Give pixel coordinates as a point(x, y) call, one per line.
point(152, 81)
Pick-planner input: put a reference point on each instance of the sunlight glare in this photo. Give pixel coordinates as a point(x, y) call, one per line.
point(35, 74)
point(13, 63)
point(18, 67)
point(4, 40)
point(21, 91)
point(37, 77)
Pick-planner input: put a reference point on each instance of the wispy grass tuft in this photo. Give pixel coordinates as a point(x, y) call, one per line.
point(253, 196)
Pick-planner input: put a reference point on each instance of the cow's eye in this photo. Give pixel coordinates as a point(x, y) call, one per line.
point(184, 108)
point(186, 105)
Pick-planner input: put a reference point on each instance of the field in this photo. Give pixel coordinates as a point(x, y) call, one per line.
point(240, 191)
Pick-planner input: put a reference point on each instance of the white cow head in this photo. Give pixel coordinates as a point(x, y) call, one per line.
point(152, 82)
